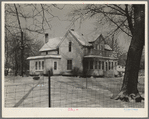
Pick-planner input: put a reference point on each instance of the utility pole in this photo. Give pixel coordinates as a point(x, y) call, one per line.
point(22, 44)
point(22, 53)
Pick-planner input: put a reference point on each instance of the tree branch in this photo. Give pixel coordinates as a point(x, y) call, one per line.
point(117, 25)
point(18, 18)
point(129, 18)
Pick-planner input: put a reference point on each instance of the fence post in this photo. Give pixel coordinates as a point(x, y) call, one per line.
point(49, 82)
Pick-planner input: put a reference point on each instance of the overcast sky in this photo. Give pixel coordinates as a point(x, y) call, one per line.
point(60, 24)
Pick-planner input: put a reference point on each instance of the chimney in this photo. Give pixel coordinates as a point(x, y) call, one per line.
point(46, 37)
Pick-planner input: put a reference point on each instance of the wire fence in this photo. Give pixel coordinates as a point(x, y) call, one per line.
point(65, 91)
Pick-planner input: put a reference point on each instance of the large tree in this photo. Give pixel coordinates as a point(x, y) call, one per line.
point(129, 19)
point(129, 88)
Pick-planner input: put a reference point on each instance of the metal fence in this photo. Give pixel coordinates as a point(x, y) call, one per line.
point(65, 91)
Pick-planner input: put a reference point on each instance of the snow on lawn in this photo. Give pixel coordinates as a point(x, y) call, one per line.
point(66, 92)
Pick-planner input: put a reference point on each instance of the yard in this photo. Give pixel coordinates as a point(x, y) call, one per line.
point(66, 92)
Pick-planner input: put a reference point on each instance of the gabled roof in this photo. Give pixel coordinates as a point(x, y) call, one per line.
point(80, 38)
point(106, 46)
point(98, 56)
point(51, 44)
point(54, 43)
point(92, 41)
point(42, 57)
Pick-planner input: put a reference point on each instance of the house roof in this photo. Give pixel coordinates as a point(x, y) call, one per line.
point(107, 47)
point(51, 44)
point(93, 40)
point(97, 56)
point(42, 57)
point(81, 39)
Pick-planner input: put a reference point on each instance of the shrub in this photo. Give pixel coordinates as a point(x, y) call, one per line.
point(51, 72)
point(36, 77)
point(75, 71)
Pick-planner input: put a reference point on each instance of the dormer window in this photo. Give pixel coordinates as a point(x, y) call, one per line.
point(69, 47)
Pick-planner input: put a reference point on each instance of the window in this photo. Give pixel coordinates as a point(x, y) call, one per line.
point(39, 64)
point(42, 64)
point(69, 64)
point(36, 65)
point(102, 65)
point(99, 64)
point(115, 65)
point(46, 52)
point(102, 47)
point(95, 64)
point(57, 50)
point(69, 46)
point(112, 65)
point(55, 65)
point(98, 47)
point(91, 64)
point(106, 66)
point(109, 65)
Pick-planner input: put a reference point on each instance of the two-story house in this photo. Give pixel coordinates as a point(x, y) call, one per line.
point(71, 51)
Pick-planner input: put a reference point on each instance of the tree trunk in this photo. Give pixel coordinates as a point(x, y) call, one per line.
point(16, 64)
point(129, 89)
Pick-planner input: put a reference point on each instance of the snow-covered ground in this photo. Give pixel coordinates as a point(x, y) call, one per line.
point(66, 92)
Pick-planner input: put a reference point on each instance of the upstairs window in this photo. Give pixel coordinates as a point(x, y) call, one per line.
point(55, 65)
point(46, 52)
point(98, 47)
point(69, 48)
point(69, 64)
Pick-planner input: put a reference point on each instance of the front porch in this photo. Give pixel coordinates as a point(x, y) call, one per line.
point(99, 66)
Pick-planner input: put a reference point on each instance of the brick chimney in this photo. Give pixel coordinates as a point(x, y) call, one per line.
point(46, 37)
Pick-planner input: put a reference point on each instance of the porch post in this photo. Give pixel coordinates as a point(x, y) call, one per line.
point(104, 66)
point(107, 65)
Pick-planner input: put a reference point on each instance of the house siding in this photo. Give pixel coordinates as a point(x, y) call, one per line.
point(76, 54)
point(79, 54)
point(50, 65)
point(33, 69)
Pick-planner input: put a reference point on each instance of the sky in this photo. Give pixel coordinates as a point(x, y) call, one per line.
point(61, 22)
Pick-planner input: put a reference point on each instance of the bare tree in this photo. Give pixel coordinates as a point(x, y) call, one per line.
point(130, 20)
point(21, 22)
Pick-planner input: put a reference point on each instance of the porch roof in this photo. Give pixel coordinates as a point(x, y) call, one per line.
point(43, 57)
point(101, 57)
